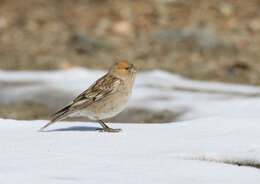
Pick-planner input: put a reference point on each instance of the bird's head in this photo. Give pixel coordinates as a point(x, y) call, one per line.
point(123, 69)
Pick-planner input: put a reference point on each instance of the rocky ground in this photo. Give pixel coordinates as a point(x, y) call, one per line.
point(208, 40)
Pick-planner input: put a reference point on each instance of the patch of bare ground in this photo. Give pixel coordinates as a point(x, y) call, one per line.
point(236, 162)
point(214, 40)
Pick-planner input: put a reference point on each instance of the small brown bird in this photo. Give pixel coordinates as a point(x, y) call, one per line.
point(105, 98)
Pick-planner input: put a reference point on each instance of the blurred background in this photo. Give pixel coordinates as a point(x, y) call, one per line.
point(214, 40)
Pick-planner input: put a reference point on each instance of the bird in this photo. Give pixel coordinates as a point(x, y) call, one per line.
point(104, 99)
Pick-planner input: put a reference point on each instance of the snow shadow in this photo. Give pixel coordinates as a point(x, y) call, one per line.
point(74, 128)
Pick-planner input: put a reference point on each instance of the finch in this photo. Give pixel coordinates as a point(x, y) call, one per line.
point(104, 99)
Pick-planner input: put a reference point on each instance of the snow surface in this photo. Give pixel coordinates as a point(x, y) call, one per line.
point(187, 152)
point(151, 153)
point(156, 90)
point(219, 131)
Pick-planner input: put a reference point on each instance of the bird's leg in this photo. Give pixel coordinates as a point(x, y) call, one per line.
point(106, 128)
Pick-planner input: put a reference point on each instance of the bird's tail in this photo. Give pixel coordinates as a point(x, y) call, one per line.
point(61, 114)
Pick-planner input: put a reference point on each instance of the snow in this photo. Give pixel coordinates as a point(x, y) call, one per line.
point(219, 132)
point(158, 90)
point(153, 153)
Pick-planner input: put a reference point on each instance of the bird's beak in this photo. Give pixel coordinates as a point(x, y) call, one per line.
point(134, 69)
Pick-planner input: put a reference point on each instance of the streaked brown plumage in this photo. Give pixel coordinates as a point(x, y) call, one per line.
point(105, 98)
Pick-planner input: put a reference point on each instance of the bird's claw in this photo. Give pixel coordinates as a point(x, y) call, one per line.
point(113, 130)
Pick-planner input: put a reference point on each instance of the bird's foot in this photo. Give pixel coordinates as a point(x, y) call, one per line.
point(113, 130)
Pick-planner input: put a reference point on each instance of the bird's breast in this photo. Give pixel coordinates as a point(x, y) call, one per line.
point(107, 107)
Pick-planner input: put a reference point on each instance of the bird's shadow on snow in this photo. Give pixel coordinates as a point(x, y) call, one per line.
point(74, 128)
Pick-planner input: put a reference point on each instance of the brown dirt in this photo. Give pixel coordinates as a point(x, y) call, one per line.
point(208, 40)
point(24, 111)
point(32, 111)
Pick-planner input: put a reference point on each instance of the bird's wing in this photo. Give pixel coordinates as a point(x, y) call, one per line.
point(103, 87)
